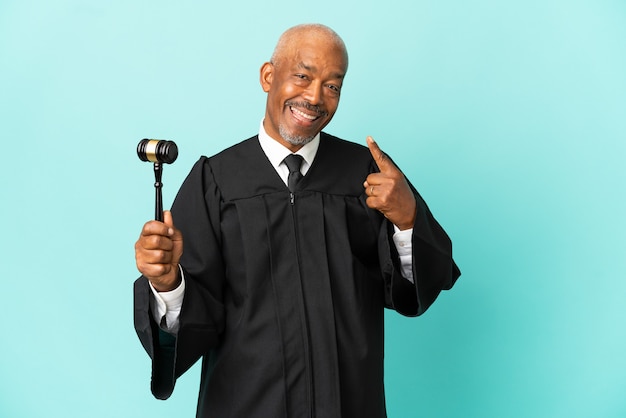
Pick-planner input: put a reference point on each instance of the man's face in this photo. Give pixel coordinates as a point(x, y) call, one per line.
point(303, 91)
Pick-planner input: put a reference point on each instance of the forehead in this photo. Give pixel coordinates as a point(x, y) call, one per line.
point(316, 55)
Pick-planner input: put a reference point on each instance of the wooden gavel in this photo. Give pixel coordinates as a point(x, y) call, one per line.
point(158, 151)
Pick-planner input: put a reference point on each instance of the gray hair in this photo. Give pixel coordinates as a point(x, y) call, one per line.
point(312, 30)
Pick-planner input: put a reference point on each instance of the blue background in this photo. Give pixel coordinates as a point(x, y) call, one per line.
point(509, 117)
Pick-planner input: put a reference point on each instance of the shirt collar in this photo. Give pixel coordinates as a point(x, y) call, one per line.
point(276, 152)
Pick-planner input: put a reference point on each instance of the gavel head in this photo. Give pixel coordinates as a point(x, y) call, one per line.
point(157, 150)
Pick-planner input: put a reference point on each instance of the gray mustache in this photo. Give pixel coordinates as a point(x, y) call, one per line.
point(307, 106)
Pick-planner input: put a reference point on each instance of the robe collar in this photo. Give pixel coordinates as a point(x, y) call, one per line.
point(276, 153)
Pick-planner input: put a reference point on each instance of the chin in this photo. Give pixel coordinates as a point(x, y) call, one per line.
point(295, 138)
point(299, 141)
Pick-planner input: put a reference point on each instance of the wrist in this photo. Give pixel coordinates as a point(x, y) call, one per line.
point(169, 282)
point(406, 224)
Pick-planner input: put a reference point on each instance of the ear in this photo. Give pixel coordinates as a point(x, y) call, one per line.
point(267, 74)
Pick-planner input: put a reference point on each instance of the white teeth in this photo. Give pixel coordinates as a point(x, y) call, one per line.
point(304, 115)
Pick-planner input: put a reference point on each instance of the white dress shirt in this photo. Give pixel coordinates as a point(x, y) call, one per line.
point(166, 305)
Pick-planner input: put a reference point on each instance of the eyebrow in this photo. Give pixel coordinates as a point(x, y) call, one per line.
point(312, 68)
point(305, 66)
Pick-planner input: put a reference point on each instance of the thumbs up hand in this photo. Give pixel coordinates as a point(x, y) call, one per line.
point(157, 252)
point(388, 191)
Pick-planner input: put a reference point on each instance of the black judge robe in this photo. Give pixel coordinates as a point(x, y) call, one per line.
point(285, 294)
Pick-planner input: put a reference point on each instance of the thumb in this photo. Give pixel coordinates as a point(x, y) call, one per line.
point(176, 251)
point(175, 235)
point(168, 220)
point(384, 164)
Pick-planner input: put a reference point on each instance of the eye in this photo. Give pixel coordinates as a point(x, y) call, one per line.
point(301, 80)
point(334, 88)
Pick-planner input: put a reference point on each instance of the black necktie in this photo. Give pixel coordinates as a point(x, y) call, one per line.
point(293, 162)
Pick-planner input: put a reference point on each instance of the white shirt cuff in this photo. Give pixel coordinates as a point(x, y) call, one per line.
point(166, 306)
point(402, 240)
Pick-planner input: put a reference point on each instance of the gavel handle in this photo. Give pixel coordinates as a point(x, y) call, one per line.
point(158, 198)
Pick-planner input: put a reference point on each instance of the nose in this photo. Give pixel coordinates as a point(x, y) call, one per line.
point(313, 93)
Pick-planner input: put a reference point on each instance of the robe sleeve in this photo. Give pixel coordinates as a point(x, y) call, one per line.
point(434, 269)
point(196, 214)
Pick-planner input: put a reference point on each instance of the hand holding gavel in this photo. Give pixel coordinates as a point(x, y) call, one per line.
point(160, 245)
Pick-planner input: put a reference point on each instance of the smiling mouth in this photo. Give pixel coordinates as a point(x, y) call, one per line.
point(303, 115)
point(298, 110)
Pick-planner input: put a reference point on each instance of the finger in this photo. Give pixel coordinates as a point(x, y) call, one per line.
point(374, 179)
point(374, 149)
point(385, 165)
point(156, 242)
point(373, 202)
point(149, 260)
point(155, 228)
point(154, 272)
point(379, 156)
point(159, 257)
